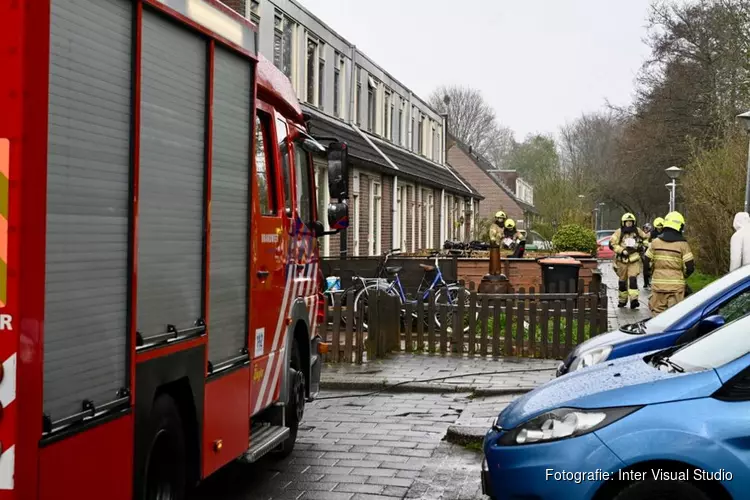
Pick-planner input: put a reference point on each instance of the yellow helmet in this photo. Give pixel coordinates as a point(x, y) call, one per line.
point(500, 215)
point(628, 217)
point(674, 220)
point(510, 224)
point(659, 222)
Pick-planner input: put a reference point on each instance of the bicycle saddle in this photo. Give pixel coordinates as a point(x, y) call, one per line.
point(427, 268)
point(393, 270)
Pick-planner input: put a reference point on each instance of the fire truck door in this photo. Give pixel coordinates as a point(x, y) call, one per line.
point(269, 273)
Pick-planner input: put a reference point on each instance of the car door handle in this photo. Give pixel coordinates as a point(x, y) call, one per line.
point(262, 274)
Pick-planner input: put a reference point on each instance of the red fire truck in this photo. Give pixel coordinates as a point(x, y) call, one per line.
point(160, 294)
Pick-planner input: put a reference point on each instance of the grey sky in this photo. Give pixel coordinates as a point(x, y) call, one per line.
point(540, 63)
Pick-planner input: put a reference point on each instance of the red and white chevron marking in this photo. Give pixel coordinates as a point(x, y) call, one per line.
point(8, 421)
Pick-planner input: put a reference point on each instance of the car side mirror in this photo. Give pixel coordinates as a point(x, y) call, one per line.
point(338, 171)
point(338, 216)
point(710, 323)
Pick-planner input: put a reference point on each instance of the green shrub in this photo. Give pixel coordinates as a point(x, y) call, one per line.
point(575, 238)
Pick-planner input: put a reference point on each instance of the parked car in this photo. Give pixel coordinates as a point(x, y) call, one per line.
point(601, 233)
point(536, 242)
point(602, 249)
point(720, 302)
point(672, 424)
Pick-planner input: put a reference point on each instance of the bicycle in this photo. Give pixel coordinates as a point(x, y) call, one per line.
point(449, 292)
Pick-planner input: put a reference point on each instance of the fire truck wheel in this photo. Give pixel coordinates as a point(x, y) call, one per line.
point(165, 463)
point(296, 407)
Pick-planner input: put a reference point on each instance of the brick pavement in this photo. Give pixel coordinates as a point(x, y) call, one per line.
point(616, 316)
point(375, 447)
point(410, 368)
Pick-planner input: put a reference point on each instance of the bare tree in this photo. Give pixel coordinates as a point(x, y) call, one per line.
point(472, 120)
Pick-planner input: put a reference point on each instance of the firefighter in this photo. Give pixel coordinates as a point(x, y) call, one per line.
point(513, 239)
point(671, 262)
point(627, 242)
point(497, 228)
point(658, 228)
point(648, 230)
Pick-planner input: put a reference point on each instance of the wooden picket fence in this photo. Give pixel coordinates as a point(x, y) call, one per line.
point(524, 324)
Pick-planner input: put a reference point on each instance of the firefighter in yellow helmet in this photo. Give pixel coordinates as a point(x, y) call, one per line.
point(497, 228)
point(671, 262)
point(627, 241)
point(513, 239)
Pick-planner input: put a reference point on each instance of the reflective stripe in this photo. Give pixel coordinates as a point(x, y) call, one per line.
point(668, 258)
point(687, 257)
point(667, 282)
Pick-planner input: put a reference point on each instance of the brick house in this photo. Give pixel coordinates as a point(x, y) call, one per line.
point(502, 189)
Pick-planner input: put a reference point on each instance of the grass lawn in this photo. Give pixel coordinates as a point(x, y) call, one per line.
point(699, 280)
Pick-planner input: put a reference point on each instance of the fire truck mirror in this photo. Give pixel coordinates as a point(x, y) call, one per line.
point(338, 171)
point(319, 229)
point(338, 216)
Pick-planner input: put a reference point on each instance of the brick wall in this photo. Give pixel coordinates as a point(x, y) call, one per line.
point(522, 273)
point(496, 198)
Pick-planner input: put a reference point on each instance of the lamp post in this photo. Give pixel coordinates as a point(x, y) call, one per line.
point(745, 120)
point(673, 173)
point(601, 215)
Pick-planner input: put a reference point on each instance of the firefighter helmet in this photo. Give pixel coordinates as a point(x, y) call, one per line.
point(500, 215)
point(510, 224)
point(674, 220)
point(659, 223)
point(628, 217)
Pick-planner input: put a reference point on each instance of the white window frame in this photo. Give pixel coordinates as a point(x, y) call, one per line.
point(356, 209)
point(388, 113)
point(375, 239)
point(322, 194)
point(315, 101)
point(412, 213)
point(401, 216)
point(419, 217)
point(339, 72)
point(253, 11)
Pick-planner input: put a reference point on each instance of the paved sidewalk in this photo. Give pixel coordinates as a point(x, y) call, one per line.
point(616, 316)
point(410, 369)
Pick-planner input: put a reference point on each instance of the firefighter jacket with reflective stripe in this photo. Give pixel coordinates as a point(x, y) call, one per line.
point(671, 261)
point(631, 241)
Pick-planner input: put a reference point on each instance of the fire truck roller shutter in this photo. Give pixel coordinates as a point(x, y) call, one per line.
point(171, 183)
point(230, 183)
point(85, 328)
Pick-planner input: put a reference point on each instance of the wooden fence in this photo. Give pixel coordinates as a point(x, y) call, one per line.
point(523, 324)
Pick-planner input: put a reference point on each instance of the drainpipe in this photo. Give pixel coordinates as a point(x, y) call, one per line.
point(395, 220)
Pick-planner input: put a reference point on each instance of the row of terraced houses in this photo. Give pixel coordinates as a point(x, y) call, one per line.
point(412, 185)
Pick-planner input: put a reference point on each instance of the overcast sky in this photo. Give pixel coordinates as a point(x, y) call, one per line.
point(540, 63)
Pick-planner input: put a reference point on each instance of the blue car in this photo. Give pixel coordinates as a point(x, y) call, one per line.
point(718, 303)
point(672, 424)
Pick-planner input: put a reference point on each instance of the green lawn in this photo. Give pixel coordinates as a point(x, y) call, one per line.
point(699, 280)
point(538, 333)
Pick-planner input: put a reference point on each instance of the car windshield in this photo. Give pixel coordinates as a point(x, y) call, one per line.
point(717, 348)
point(665, 320)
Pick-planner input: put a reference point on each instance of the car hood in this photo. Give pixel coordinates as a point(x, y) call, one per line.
point(610, 338)
point(627, 381)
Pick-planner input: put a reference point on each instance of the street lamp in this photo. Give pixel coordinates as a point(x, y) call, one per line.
point(673, 173)
point(745, 120)
point(601, 215)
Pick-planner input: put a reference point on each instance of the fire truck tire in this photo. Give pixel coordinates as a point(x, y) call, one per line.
point(165, 468)
point(296, 408)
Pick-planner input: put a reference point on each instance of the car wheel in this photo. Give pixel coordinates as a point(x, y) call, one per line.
point(295, 409)
point(661, 490)
point(165, 468)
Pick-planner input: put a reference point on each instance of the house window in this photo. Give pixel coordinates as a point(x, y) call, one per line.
point(399, 121)
point(420, 137)
point(311, 71)
point(414, 129)
point(375, 229)
point(358, 98)
point(371, 105)
point(255, 11)
point(430, 221)
point(321, 77)
point(338, 86)
point(419, 219)
point(434, 143)
point(321, 187)
point(412, 213)
point(401, 207)
point(357, 212)
point(283, 44)
point(387, 115)
point(439, 148)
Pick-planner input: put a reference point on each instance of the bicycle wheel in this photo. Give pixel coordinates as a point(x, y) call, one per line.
point(454, 294)
point(362, 297)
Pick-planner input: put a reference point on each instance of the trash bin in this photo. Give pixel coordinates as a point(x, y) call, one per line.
point(559, 274)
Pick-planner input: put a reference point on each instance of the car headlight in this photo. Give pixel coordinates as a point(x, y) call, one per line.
point(591, 357)
point(563, 423)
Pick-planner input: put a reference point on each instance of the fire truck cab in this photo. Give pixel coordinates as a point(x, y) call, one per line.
point(160, 288)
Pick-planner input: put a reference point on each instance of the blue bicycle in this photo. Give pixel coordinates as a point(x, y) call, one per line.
point(448, 293)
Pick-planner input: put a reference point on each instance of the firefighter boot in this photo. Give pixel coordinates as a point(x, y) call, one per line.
point(633, 292)
point(623, 295)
